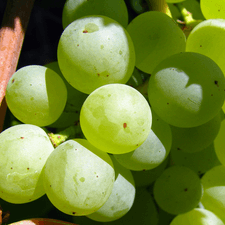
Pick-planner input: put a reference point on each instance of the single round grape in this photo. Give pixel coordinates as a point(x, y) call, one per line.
point(116, 118)
point(177, 190)
point(195, 139)
point(94, 51)
point(121, 199)
point(115, 9)
point(207, 38)
point(78, 178)
point(197, 216)
point(153, 151)
point(213, 198)
point(153, 39)
point(36, 95)
point(219, 143)
point(213, 9)
point(200, 162)
point(24, 150)
point(187, 89)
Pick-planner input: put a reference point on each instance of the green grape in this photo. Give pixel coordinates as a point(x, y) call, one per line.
point(153, 39)
point(200, 162)
point(177, 190)
point(94, 51)
point(195, 139)
point(207, 38)
point(116, 118)
point(213, 198)
point(75, 100)
point(187, 89)
point(24, 150)
point(75, 9)
point(78, 178)
point(219, 143)
point(213, 9)
point(147, 177)
point(143, 211)
point(121, 199)
point(197, 216)
point(36, 95)
point(153, 151)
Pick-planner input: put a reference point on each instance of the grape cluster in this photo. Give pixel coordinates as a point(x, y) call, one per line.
point(137, 108)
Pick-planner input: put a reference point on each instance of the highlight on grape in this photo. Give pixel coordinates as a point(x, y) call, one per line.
point(127, 125)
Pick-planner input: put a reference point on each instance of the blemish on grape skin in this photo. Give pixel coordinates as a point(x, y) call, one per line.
point(28, 168)
point(21, 137)
point(85, 31)
point(73, 213)
point(200, 46)
point(13, 81)
point(185, 189)
point(216, 83)
point(11, 168)
point(178, 149)
point(124, 125)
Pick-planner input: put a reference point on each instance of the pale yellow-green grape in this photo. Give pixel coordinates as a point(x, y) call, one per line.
point(121, 199)
point(213, 198)
point(36, 95)
point(75, 100)
point(195, 139)
point(219, 143)
point(24, 150)
point(116, 118)
point(197, 216)
point(147, 177)
point(178, 190)
point(187, 89)
point(78, 178)
point(200, 162)
point(75, 9)
point(207, 38)
point(213, 9)
point(94, 51)
point(153, 39)
point(153, 151)
point(143, 211)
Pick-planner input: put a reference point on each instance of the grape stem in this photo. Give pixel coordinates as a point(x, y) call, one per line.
point(62, 136)
point(189, 22)
point(14, 24)
point(158, 5)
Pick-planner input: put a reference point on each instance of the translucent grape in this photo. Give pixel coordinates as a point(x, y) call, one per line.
point(143, 211)
point(36, 95)
point(24, 150)
point(195, 139)
point(200, 162)
point(207, 38)
point(153, 39)
point(197, 216)
point(213, 9)
point(147, 177)
point(153, 151)
point(219, 143)
point(78, 178)
point(75, 9)
point(187, 89)
point(121, 199)
point(177, 190)
point(94, 51)
point(213, 198)
point(75, 100)
point(116, 118)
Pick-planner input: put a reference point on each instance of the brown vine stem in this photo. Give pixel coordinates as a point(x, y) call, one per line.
point(158, 5)
point(15, 21)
